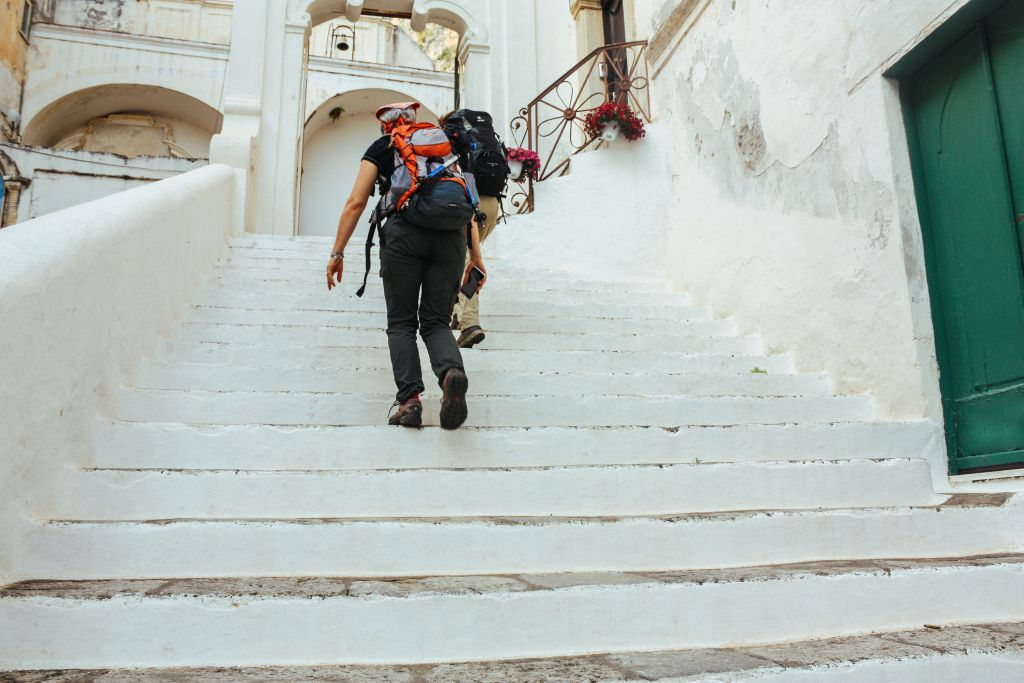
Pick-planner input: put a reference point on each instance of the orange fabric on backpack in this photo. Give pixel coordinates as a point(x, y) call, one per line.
point(408, 153)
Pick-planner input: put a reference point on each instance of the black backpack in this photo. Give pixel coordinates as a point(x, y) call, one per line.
point(480, 150)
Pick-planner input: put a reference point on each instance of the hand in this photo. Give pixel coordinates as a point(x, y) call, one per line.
point(335, 268)
point(479, 263)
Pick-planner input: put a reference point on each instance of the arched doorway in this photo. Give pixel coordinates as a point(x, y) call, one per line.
point(335, 137)
point(126, 119)
point(330, 145)
point(267, 83)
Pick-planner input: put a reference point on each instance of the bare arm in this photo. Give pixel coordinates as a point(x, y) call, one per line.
point(354, 207)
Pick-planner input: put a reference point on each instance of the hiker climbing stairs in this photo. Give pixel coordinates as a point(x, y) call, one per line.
point(635, 474)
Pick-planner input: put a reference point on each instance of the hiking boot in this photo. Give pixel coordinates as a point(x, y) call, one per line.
point(470, 337)
point(410, 414)
point(453, 404)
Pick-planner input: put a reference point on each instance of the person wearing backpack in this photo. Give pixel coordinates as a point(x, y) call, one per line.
point(427, 204)
point(481, 153)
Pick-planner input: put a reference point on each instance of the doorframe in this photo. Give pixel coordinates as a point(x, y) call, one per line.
point(943, 37)
point(920, 56)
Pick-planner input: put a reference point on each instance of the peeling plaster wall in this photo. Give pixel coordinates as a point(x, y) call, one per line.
point(65, 61)
point(640, 16)
point(12, 62)
point(192, 139)
point(207, 21)
point(792, 201)
point(58, 180)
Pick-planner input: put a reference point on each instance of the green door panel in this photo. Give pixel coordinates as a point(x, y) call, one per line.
point(972, 219)
point(967, 116)
point(1006, 41)
point(989, 423)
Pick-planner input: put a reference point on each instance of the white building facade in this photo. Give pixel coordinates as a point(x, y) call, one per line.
point(788, 167)
point(785, 328)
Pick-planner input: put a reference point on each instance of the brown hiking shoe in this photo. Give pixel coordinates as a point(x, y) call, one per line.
point(410, 414)
point(453, 404)
point(470, 337)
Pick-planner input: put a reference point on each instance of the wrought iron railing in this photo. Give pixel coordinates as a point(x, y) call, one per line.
point(552, 125)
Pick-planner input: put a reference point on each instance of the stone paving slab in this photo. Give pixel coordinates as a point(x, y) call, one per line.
point(273, 588)
point(962, 640)
point(687, 665)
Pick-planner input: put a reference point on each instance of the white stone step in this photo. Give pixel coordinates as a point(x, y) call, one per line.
point(504, 545)
point(228, 377)
point(300, 408)
point(476, 492)
point(355, 259)
point(326, 358)
point(952, 653)
point(308, 335)
point(492, 295)
point(699, 326)
point(504, 276)
point(345, 299)
point(510, 271)
point(300, 621)
point(152, 445)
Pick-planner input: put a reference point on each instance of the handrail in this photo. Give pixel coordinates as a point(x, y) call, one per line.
point(622, 76)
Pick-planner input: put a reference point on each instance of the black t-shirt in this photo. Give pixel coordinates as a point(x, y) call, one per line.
point(381, 155)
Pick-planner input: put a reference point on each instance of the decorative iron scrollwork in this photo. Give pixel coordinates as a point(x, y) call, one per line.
point(552, 125)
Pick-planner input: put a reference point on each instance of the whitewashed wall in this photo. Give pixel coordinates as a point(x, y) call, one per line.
point(329, 78)
point(84, 294)
point(331, 153)
point(329, 165)
point(602, 221)
point(792, 202)
point(66, 61)
point(61, 179)
point(376, 41)
point(197, 20)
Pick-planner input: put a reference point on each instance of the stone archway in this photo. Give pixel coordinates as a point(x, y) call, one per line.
point(186, 123)
point(335, 137)
point(266, 87)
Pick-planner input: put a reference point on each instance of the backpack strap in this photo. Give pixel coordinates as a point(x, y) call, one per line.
point(374, 226)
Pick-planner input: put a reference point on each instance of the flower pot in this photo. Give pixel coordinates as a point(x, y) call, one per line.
point(610, 131)
point(515, 169)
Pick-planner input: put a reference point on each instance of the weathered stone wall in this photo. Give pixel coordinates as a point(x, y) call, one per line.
point(60, 179)
point(206, 21)
point(12, 65)
point(792, 202)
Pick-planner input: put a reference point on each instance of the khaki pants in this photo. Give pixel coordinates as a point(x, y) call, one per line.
point(468, 310)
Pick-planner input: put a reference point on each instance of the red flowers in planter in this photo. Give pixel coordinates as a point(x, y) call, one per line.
point(528, 158)
point(631, 126)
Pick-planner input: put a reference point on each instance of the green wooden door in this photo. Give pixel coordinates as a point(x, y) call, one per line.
point(966, 121)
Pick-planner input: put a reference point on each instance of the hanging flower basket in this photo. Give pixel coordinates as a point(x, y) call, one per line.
point(612, 119)
point(523, 162)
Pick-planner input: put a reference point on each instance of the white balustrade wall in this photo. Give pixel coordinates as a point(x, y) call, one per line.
point(84, 294)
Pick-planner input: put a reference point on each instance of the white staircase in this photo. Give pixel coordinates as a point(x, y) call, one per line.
point(634, 476)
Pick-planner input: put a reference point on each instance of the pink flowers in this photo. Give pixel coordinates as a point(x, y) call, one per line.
point(614, 112)
point(529, 159)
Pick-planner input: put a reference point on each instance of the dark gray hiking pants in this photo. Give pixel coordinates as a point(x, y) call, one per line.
point(414, 260)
